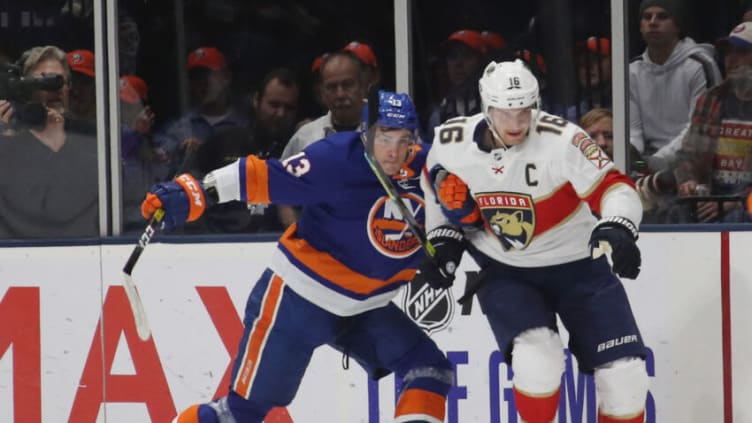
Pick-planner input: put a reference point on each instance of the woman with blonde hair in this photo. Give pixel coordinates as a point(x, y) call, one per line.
point(598, 123)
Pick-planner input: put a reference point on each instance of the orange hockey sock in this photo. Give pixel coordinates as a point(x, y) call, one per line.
point(189, 415)
point(199, 413)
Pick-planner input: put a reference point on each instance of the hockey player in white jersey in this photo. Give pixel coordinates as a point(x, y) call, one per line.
point(537, 204)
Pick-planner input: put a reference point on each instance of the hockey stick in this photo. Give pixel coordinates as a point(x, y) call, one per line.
point(134, 299)
point(385, 180)
point(428, 248)
point(137, 307)
point(472, 289)
point(391, 191)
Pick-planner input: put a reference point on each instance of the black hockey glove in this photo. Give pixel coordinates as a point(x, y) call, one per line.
point(449, 244)
point(616, 236)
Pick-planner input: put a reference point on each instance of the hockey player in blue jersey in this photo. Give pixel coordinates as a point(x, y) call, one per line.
point(334, 273)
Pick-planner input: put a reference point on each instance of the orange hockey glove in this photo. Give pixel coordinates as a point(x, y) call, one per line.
point(183, 200)
point(456, 202)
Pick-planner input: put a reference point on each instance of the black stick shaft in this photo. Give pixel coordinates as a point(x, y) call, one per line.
point(392, 193)
point(143, 241)
point(480, 280)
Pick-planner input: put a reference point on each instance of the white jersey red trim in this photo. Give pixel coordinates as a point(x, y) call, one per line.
point(537, 198)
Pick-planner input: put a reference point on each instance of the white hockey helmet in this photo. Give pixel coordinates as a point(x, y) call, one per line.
point(508, 85)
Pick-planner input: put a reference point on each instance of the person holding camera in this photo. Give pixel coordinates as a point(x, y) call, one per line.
point(47, 174)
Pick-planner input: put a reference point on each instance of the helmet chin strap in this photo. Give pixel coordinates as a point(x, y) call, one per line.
point(497, 137)
point(495, 134)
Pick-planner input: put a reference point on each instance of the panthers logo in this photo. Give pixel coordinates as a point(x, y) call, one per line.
point(389, 232)
point(510, 216)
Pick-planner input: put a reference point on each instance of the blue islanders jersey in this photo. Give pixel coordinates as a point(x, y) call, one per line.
point(351, 249)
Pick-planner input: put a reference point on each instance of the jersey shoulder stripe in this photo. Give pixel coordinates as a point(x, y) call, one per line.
point(555, 209)
point(329, 271)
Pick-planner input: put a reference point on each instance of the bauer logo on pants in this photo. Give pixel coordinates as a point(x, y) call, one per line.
point(431, 309)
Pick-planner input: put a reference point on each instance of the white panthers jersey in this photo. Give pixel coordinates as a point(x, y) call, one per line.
point(537, 198)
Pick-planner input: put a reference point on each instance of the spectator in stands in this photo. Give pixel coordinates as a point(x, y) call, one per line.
point(593, 57)
point(715, 156)
point(316, 65)
point(537, 64)
point(656, 190)
point(496, 47)
point(136, 115)
point(83, 95)
point(367, 58)
point(48, 176)
point(747, 15)
point(316, 85)
point(343, 90)
point(599, 124)
point(464, 57)
point(275, 107)
point(143, 163)
point(210, 80)
point(665, 81)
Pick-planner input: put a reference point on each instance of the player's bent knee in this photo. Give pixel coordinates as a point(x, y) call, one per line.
point(538, 361)
point(622, 387)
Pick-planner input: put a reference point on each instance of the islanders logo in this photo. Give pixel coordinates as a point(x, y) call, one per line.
point(389, 232)
point(510, 216)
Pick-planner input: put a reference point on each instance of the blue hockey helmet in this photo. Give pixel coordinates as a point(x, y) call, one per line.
point(396, 110)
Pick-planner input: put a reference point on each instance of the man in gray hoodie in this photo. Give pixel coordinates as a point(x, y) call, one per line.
point(665, 81)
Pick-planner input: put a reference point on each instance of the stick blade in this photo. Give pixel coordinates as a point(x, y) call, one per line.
point(137, 307)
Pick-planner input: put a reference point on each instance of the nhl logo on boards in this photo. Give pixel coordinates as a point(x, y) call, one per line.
point(431, 309)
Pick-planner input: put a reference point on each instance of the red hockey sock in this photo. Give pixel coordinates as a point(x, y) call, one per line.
point(537, 409)
point(640, 418)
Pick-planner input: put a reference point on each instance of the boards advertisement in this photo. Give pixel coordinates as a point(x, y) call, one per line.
point(69, 351)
